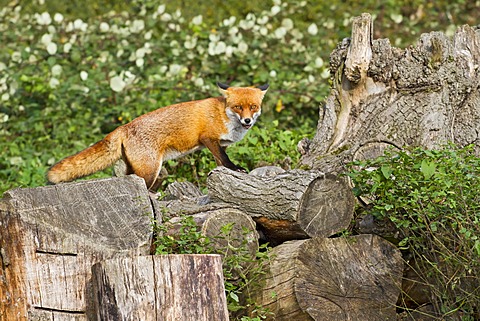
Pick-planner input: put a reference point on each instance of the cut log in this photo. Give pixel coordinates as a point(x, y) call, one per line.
point(355, 278)
point(161, 287)
point(210, 220)
point(50, 237)
point(385, 97)
point(291, 205)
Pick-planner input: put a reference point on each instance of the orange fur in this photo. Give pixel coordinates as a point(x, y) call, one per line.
point(168, 133)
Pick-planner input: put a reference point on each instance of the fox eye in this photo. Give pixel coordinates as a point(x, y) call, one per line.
point(253, 107)
point(238, 107)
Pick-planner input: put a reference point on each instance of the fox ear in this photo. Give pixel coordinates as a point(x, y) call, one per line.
point(264, 87)
point(223, 88)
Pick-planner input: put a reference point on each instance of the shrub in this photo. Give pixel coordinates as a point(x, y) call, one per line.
point(432, 196)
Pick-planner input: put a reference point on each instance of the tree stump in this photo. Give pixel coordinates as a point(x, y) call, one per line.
point(160, 287)
point(381, 97)
point(355, 278)
point(291, 205)
point(50, 237)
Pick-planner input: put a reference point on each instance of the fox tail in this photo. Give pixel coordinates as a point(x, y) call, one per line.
point(90, 160)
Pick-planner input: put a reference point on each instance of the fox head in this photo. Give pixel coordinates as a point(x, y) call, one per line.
point(243, 104)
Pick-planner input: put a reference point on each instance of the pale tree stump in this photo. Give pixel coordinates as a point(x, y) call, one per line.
point(161, 287)
point(50, 237)
point(291, 205)
point(354, 278)
point(385, 97)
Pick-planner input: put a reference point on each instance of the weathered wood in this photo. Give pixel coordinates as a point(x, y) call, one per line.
point(291, 205)
point(161, 287)
point(182, 190)
point(354, 278)
point(210, 219)
point(424, 95)
point(50, 237)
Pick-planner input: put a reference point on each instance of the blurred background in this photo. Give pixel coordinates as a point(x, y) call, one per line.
point(72, 71)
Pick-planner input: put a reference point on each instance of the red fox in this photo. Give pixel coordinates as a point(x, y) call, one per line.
point(168, 133)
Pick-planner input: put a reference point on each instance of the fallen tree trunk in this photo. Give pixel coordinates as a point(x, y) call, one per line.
point(50, 237)
point(291, 205)
point(355, 278)
point(161, 287)
point(425, 95)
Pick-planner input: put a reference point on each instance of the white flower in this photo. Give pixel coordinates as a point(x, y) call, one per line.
point(2, 66)
point(67, 47)
point(54, 82)
point(263, 20)
point(16, 56)
point(311, 78)
point(246, 24)
point(137, 26)
point(46, 39)
point(43, 19)
point(175, 69)
point(161, 9)
point(280, 32)
point(58, 17)
point(104, 27)
point(117, 84)
point(148, 35)
point(312, 29)
point(140, 52)
point(129, 77)
point(273, 73)
point(56, 70)
point(52, 48)
point(140, 62)
point(325, 73)
point(199, 82)
point(220, 48)
point(242, 47)
point(230, 21)
point(5, 97)
point(78, 24)
point(275, 9)
point(318, 62)
point(287, 23)
point(263, 31)
point(83, 75)
point(397, 18)
point(190, 42)
point(197, 20)
point(166, 17)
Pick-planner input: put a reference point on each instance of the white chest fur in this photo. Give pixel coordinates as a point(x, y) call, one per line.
point(235, 133)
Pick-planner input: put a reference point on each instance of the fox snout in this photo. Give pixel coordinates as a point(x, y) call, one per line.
point(246, 122)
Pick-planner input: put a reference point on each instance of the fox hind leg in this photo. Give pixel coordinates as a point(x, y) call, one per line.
point(145, 166)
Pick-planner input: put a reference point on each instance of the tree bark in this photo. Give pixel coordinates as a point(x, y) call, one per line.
point(291, 205)
point(161, 287)
point(386, 97)
point(355, 278)
point(50, 237)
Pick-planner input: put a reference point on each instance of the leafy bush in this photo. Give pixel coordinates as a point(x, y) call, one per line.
point(432, 196)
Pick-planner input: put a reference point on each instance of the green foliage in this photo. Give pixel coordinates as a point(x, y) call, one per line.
point(433, 197)
point(241, 268)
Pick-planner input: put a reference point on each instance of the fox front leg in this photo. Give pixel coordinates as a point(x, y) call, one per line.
point(220, 155)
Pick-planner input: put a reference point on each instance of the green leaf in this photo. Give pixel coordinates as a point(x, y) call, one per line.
point(386, 171)
point(427, 168)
